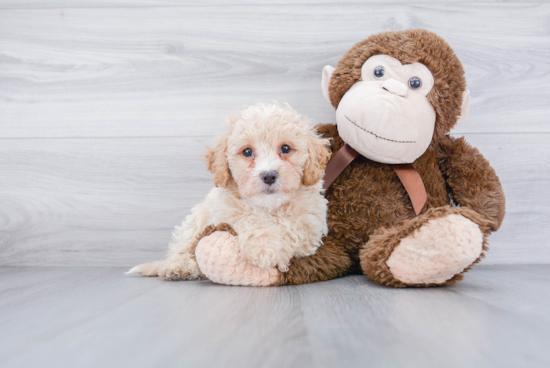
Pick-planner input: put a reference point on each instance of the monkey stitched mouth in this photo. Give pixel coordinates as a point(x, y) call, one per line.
point(376, 135)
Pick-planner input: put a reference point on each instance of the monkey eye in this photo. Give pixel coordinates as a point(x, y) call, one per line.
point(379, 72)
point(285, 149)
point(247, 152)
point(415, 83)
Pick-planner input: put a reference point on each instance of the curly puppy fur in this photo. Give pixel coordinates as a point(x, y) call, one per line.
point(369, 210)
point(274, 221)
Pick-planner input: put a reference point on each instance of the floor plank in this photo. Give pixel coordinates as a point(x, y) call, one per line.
point(91, 317)
point(518, 289)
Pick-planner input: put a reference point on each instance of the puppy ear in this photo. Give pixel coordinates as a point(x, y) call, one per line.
point(216, 161)
point(319, 154)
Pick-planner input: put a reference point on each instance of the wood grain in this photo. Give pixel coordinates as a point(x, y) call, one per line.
point(96, 317)
point(105, 108)
point(114, 201)
point(518, 291)
point(95, 201)
point(179, 71)
point(34, 4)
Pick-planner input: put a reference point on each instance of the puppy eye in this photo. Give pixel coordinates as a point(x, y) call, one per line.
point(379, 72)
point(285, 149)
point(415, 83)
point(247, 152)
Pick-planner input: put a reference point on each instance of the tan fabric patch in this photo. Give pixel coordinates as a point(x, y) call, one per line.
point(442, 248)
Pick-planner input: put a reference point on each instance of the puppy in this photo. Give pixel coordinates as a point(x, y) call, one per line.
point(268, 168)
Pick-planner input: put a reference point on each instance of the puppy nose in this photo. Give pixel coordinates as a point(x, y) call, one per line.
point(269, 177)
point(394, 86)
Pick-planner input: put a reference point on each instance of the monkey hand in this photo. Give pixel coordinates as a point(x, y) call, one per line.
point(219, 258)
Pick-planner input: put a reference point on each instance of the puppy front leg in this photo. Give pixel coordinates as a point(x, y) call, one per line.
point(265, 248)
point(275, 246)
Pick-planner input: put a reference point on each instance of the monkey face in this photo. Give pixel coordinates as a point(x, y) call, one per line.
point(386, 116)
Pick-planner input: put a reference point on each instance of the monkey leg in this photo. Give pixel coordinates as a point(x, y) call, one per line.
point(219, 257)
point(435, 248)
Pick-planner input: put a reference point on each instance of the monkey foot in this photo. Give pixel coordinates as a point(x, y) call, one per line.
point(440, 249)
point(433, 249)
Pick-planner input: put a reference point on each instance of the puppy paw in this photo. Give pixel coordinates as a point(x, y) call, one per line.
point(268, 256)
point(263, 257)
point(180, 267)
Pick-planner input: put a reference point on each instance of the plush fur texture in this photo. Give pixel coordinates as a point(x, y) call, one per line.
point(382, 118)
point(219, 257)
point(431, 242)
point(274, 221)
point(370, 214)
point(424, 256)
point(411, 46)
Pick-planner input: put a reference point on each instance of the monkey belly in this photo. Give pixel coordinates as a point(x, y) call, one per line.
point(368, 196)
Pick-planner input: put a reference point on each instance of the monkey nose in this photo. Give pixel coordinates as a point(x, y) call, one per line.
point(269, 177)
point(394, 86)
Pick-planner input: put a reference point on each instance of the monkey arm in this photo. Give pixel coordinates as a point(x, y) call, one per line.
point(329, 262)
point(472, 181)
point(219, 257)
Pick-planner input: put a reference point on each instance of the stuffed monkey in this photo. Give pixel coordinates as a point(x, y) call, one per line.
point(409, 205)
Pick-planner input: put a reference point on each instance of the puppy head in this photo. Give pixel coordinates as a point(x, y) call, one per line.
point(269, 151)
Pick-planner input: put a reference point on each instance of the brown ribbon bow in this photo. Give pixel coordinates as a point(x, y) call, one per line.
point(409, 177)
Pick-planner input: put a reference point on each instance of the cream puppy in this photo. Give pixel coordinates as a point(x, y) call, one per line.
point(267, 168)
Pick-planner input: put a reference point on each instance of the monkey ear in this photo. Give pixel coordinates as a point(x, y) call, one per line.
point(216, 161)
point(465, 106)
point(319, 154)
point(327, 73)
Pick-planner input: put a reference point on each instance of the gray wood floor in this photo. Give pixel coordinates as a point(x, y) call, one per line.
point(499, 316)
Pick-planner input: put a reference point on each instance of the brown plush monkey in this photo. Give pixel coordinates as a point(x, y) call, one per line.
point(397, 95)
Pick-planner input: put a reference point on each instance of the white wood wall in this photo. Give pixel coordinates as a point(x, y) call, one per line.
point(106, 106)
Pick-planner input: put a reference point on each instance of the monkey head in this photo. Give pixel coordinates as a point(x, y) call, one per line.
point(396, 93)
